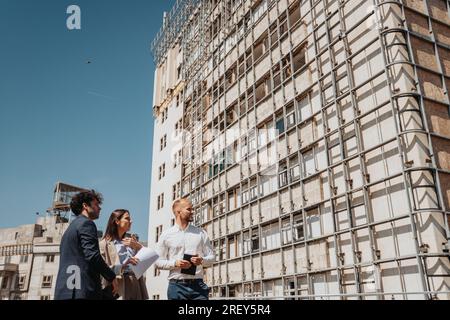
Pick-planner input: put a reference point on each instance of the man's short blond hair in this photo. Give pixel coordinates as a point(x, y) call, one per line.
point(177, 202)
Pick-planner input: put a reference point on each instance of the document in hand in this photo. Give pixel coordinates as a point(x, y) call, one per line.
point(146, 258)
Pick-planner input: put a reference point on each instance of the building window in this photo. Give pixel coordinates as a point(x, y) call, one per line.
point(259, 11)
point(290, 116)
point(299, 58)
point(177, 159)
point(161, 201)
point(176, 190)
point(158, 233)
point(270, 236)
point(45, 297)
point(222, 250)
point(244, 146)
point(298, 229)
point(164, 115)
point(21, 282)
point(286, 63)
point(286, 231)
point(178, 77)
point(178, 127)
point(24, 259)
point(247, 243)
point(282, 175)
point(163, 142)
point(244, 196)
point(253, 192)
point(162, 171)
point(294, 169)
point(50, 258)
point(5, 282)
point(252, 141)
point(47, 281)
point(279, 125)
point(309, 167)
point(255, 241)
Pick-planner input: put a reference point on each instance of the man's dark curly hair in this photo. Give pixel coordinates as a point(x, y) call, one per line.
point(76, 205)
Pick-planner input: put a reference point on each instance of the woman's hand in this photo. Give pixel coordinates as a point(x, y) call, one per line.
point(133, 260)
point(132, 243)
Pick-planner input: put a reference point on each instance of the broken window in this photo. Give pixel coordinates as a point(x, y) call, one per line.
point(298, 227)
point(299, 58)
point(255, 240)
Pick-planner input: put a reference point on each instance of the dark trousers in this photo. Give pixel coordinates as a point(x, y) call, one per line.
point(187, 290)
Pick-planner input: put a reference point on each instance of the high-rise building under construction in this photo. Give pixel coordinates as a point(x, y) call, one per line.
point(313, 139)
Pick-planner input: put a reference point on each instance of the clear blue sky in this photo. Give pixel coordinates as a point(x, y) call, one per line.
point(62, 119)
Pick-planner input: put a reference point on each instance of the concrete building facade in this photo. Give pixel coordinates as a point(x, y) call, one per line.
point(29, 259)
point(29, 254)
point(315, 144)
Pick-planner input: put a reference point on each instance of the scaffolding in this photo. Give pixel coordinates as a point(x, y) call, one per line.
point(356, 203)
point(173, 26)
point(62, 195)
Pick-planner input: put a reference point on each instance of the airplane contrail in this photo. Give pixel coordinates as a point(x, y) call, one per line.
point(100, 95)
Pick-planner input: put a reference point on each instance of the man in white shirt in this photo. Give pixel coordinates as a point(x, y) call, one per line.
point(184, 249)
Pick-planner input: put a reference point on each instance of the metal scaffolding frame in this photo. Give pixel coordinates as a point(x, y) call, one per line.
point(173, 25)
point(196, 75)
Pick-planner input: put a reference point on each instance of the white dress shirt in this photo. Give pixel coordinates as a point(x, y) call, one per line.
point(175, 242)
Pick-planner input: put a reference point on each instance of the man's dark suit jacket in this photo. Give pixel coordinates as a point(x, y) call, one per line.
point(81, 264)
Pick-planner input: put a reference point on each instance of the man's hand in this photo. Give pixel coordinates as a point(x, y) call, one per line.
point(115, 286)
point(197, 261)
point(183, 264)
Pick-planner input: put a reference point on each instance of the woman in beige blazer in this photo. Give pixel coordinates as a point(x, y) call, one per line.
point(119, 252)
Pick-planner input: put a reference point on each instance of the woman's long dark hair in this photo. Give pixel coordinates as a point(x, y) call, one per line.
point(112, 232)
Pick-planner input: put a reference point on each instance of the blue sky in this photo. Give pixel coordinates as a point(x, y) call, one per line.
point(62, 119)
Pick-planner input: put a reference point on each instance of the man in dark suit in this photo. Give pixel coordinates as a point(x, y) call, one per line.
point(81, 264)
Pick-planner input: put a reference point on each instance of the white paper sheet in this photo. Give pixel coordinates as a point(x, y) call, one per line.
point(146, 258)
